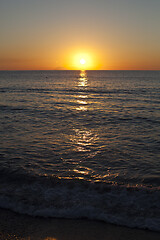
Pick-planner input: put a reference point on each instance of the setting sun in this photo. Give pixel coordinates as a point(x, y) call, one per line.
point(86, 59)
point(82, 61)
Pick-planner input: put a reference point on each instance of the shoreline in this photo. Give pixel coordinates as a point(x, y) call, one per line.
point(24, 227)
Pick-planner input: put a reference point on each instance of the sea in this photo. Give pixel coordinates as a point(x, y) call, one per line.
point(81, 144)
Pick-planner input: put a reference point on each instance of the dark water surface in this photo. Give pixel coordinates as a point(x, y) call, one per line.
point(81, 144)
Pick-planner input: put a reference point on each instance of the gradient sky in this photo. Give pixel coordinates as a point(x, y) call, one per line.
point(53, 34)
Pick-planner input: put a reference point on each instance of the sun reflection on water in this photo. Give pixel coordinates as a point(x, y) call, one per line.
point(83, 81)
point(83, 140)
point(83, 137)
point(82, 98)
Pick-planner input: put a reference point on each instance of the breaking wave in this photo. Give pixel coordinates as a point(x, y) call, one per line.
point(73, 198)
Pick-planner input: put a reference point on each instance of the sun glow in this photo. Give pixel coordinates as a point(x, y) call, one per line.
point(82, 61)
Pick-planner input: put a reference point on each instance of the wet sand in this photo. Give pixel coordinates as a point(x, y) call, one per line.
point(17, 226)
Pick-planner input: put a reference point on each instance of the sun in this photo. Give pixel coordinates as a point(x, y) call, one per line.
point(82, 61)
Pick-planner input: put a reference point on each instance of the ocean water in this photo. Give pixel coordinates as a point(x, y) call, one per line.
point(81, 144)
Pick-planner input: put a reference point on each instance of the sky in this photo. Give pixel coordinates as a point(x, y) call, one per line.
point(58, 34)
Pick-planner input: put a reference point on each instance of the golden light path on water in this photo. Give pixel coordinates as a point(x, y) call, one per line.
point(82, 99)
point(84, 140)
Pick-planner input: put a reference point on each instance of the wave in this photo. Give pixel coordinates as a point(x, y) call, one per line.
point(74, 198)
point(65, 89)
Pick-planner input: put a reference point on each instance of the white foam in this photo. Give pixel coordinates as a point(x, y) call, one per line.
point(130, 207)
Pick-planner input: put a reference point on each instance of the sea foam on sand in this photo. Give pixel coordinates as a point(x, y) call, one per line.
point(19, 226)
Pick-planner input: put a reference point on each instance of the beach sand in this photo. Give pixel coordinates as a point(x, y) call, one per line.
point(17, 226)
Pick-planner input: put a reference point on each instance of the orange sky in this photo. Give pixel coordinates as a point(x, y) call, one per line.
point(119, 34)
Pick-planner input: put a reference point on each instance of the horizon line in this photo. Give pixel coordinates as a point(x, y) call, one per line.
point(79, 69)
